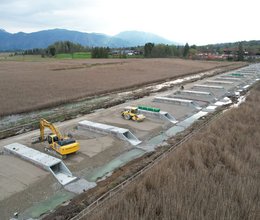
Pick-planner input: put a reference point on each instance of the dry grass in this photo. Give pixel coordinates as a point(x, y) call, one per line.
point(216, 175)
point(26, 86)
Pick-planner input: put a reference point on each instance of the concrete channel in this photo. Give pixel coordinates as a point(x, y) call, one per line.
point(127, 139)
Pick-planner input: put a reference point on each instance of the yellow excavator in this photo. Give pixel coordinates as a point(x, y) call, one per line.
point(131, 113)
point(62, 145)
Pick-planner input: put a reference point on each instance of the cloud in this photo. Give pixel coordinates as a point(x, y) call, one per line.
point(199, 21)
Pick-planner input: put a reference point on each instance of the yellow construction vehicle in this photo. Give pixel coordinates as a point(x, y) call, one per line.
point(132, 113)
point(60, 144)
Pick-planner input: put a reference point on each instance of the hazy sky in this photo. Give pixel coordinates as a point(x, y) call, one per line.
point(193, 21)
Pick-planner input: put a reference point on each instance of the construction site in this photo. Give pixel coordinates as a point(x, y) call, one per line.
point(46, 169)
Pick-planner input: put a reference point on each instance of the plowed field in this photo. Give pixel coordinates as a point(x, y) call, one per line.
point(26, 86)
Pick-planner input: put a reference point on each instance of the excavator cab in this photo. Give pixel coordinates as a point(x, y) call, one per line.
point(52, 138)
point(133, 110)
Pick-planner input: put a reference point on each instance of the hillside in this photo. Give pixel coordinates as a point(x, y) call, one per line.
point(141, 38)
point(42, 39)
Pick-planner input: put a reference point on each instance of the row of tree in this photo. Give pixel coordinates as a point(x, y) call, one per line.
point(150, 50)
point(252, 47)
point(100, 52)
point(69, 48)
point(161, 50)
point(66, 47)
point(58, 47)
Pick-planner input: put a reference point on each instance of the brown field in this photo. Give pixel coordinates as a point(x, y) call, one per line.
point(213, 176)
point(26, 86)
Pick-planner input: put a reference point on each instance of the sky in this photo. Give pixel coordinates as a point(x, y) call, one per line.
point(197, 22)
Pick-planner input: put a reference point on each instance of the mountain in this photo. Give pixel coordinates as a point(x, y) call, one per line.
point(42, 39)
point(135, 38)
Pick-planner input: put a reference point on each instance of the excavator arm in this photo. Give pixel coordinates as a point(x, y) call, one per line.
point(44, 123)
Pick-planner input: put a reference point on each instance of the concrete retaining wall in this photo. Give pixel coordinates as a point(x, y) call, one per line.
point(176, 101)
point(161, 115)
point(210, 87)
point(121, 133)
point(45, 161)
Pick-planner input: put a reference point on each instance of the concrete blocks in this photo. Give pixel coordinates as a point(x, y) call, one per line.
point(121, 133)
point(209, 87)
point(228, 78)
point(45, 161)
point(193, 92)
point(219, 82)
point(161, 114)
point(176, 101)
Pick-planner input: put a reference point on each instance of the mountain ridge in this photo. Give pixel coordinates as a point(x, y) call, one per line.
point(44, 38)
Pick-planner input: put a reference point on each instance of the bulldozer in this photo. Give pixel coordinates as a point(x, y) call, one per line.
point(131, 113)
point(62, 145)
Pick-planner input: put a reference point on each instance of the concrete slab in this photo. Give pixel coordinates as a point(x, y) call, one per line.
point(159, 115)
point(236, 75)
point(208, 87)
point(194, 92)
point(210, 108)
point(177, 101)
point(224, 101)
point(220, 82)
point(188, 121)
point(45, 161)
point(79, 186)
point(217, 93)
point(200, 101)
point(228, 79)
point(121, 133)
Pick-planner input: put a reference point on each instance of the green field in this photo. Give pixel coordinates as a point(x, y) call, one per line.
point(20, 57)
point(78, 55)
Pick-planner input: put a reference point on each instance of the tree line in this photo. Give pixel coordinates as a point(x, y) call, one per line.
point(100, 52)
point(152, 50)
point(57, 48)
point(68, 47)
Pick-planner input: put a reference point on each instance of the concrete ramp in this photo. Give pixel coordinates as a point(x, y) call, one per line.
point(194, 92)
point(161, 114)
point(221, 82)
point(208, 87)
point(177, 101)
point(236, 75)
point(167, 116)
point(121, 133)
point(228, 78)
point(45, 161)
